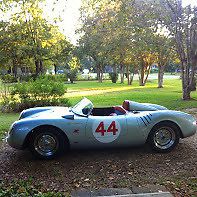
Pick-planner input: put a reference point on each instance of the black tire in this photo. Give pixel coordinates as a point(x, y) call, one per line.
point(47, 143)
point(164, 131)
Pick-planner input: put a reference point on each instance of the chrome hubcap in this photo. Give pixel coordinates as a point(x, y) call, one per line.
point(164, 137)
point(46, 144)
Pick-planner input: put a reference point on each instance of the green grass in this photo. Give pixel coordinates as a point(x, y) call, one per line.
point(169, 96)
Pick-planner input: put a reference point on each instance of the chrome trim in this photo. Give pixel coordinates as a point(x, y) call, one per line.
point(46, 144)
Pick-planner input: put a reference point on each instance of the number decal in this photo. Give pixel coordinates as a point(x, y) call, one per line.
point(112, 128)
point(106, 131)
point(100, 129)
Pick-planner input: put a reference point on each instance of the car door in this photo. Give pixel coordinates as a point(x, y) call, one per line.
point(135, 132)
point(106, 131)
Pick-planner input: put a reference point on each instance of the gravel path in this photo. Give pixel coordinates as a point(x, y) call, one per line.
point(102, 168)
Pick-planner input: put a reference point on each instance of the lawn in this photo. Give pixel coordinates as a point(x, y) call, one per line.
point(115, 94)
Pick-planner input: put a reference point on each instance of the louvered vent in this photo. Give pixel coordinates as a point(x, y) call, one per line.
point(146, 119)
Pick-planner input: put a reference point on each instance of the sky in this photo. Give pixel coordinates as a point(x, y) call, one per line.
point(71, 15)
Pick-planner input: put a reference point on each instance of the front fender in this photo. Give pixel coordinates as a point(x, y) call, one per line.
point(20, 129)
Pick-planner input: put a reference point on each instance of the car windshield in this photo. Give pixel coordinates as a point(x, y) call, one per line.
point(83, 108)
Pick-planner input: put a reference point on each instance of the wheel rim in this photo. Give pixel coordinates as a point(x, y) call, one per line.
point(46, 144)
point(164, 137)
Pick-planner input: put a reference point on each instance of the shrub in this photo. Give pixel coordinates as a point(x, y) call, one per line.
point(27, 77)
point(60, 78)
point(113, 77)
point(41, 92)
point(57, 78)
point(8, 78)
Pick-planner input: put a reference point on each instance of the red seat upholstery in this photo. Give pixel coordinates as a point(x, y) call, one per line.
point(125, 105)
point(120, 109)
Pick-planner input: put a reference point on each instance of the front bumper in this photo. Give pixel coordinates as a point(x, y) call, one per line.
point(16, 136)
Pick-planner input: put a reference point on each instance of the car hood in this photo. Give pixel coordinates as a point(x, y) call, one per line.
point(45, 112)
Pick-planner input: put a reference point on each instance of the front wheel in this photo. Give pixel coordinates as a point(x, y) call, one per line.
point(164, 137)
point(47, 143)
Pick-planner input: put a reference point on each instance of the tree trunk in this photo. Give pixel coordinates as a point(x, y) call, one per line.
point(185, 82)
point(186, 94)
point(148, 67)
point(14, 68)
point(100, 73)
point(131, 79)
point(101, 76)
point(129, 76)
point(55, 68)
point(160, 75)
point(122, 67)
point(41, 67)
point(37, 64)
point(115, 69)
point(9, 70)
point(141, 74)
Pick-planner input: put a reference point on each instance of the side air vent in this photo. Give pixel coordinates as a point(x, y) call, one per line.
point(146, 119)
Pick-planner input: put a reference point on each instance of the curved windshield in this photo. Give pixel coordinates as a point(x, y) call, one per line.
point(83, 108)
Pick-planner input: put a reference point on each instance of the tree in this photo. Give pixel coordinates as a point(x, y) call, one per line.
point(32, 39)
point(13, 47)
point(165, 52)
point(60, 48)
point(74, 66)
point(181, 24)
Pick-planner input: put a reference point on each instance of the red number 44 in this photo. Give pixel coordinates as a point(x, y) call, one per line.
point(112, 128)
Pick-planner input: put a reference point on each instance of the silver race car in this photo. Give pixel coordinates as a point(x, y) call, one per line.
point(50, 131)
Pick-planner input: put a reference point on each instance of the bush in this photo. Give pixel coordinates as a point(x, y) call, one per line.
point(60, 78)
point(41, 92)
point(57, 78)
point(113, 77)
point(27, 77)
point(8, 78)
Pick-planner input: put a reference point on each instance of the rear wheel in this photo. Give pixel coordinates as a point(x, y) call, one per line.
point(47, 143)
point(164, 137)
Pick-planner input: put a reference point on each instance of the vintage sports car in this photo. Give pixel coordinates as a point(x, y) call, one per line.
point(50, 131)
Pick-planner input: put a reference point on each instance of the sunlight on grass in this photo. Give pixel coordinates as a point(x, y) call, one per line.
point(114, 94)
point(97, 91)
